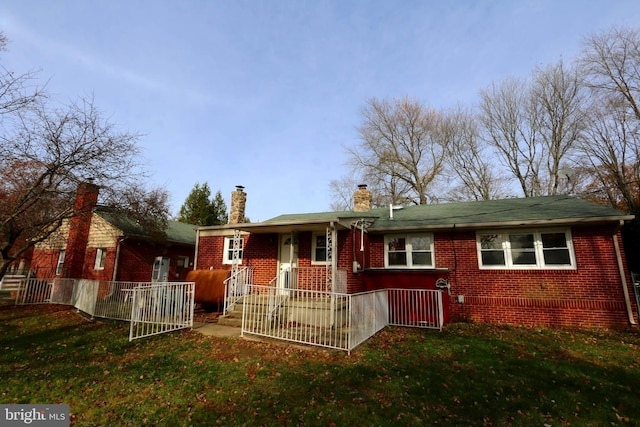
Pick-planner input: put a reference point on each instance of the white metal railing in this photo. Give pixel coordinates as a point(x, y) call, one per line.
point(368, 313)
point(34, 291)
point(115, 300)
point(161, 308)
point(11, 282)
point(335, 320)
point(235, 287)
point(420, 308)
point(297, 315)
point(310, 279)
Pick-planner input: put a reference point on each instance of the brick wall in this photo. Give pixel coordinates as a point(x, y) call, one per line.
point(44, 263)
point(260, 252)
point(137, 258)
point(590, 296)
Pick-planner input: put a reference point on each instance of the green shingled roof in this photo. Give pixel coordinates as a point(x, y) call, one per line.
point(176, 232)
point(494, 213)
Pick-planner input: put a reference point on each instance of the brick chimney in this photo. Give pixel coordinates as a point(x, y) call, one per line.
point(79, 226)
point(238, 204)
point(362, 199)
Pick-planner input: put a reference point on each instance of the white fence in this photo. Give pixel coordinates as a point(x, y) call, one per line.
point(152, 308)
point(235, 287)
point(334, 320)
point(161, 308)
point(11, 282)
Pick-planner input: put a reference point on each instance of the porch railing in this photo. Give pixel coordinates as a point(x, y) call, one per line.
point(309, 279)
point(297, 315)
point(335, 320)
point(235, 286)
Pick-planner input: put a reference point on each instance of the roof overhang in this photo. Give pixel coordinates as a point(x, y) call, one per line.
point(618, 220)
point(277, 227)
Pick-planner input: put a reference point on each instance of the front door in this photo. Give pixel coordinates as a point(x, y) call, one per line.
point(288, 260)
point(160, 269)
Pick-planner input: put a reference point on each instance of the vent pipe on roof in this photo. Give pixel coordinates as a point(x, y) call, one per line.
point(392, 208)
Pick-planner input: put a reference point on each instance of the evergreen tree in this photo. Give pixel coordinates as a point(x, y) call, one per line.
point(200, 209)
point(219, 210)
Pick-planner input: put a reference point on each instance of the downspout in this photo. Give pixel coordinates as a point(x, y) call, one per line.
point(623, 277)
point(117, 260)
point(195, 261)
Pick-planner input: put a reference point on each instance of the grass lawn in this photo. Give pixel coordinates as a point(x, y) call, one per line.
point(466, 375)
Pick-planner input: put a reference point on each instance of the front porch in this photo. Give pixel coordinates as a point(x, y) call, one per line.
point(310, 312)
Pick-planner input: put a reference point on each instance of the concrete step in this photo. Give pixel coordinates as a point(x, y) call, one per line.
point(230, 321)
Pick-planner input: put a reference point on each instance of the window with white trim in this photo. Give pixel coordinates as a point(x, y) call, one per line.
point(319, 248)
point(60, 264)
point(101, 256)
point(227, 257)
point(525, 249)
point(181, 263)
point(409, 251)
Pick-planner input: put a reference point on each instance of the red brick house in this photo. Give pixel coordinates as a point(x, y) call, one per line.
point(101, 244)
point(550, 261)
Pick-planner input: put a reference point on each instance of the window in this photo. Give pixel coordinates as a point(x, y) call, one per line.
point(227, 258)
point(525, 249)
point(101, 256)
point(319, 249)
point(160, 271)
point(60, 264)
point(409, 251)
point(181, 263)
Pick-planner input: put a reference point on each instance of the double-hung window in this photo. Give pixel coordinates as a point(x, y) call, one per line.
point(525, 249)
point(319, 248)
point(101, 256)
point(228, 251)
point(409, 251)
point(60, 264)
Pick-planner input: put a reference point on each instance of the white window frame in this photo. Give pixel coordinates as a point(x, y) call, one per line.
point(101, 259)
point(228, 246)
point(314, 246)
point(185, 262)
point(409, 250)
point(538, 250)
point(60, 264)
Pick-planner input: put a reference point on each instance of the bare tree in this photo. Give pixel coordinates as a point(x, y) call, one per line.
point(559, 98)
point(469, 158)
point(611, 149)
point(534, 125)
point(399, 155)
point(44, 155)
point(505, 120)
point(611, 61)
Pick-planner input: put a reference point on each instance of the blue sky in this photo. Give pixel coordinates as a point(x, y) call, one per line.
point(267, 94)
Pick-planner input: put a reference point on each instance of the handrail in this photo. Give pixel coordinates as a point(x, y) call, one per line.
point(279, 296)
point(235, 287)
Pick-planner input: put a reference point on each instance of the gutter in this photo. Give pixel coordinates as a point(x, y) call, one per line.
point(195, 260)
point(503, 224)
point(623, 278)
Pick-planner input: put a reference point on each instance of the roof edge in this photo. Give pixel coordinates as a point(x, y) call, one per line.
point(509, 224)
